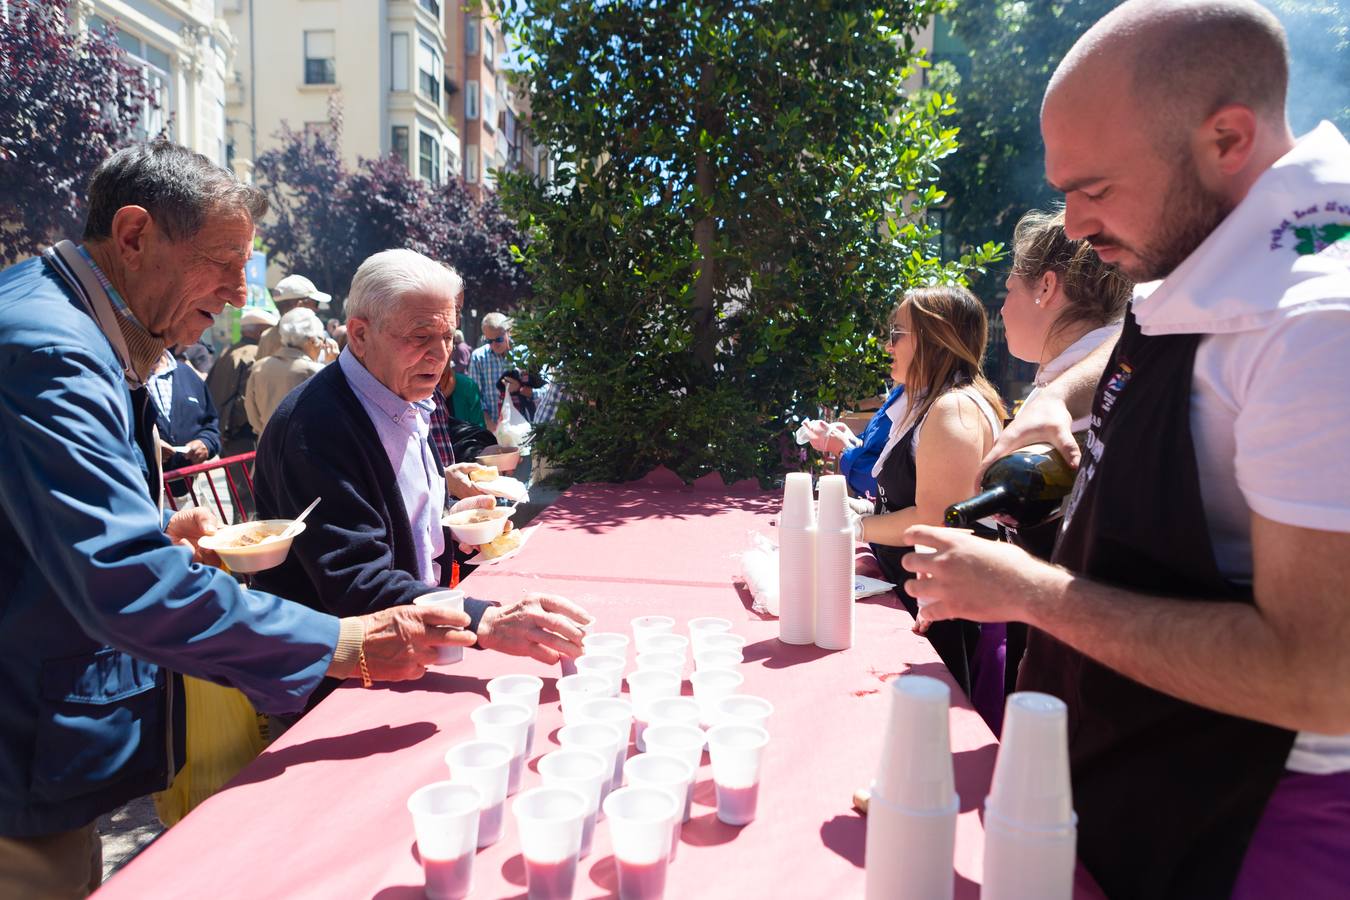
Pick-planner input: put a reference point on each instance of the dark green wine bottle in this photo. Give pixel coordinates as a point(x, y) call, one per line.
point(1022, 489)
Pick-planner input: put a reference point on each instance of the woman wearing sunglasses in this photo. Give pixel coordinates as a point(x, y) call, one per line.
point(942, 427)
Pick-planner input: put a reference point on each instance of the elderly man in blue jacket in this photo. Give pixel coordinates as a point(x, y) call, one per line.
point(101, 602)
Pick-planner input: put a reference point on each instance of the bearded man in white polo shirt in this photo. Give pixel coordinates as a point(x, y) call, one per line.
point(1197, 623)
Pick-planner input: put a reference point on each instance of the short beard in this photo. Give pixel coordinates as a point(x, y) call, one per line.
point(1192, 212)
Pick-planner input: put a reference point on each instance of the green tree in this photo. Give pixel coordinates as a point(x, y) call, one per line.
point(741, 194)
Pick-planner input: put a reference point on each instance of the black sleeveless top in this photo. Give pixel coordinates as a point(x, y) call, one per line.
point(1168, 793)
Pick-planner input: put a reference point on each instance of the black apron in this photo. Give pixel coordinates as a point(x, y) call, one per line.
point(953, 639)
point(1167, 793)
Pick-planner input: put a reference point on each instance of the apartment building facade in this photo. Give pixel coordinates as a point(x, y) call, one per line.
point(383, 60)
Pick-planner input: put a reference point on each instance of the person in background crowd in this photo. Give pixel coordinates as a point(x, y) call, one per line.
point(228, 381)
point(357, 435)
point(105, 598)
point(857, 457)
point(941, 428)
point(459, 358)
point(464, 401)
point(331, 326)
point(457, 420)
point(185, 417)
point(302, 354)
point(291, 292)
point(489, 362)
point(1195, 620)
point(197, 355)
point(340, 337)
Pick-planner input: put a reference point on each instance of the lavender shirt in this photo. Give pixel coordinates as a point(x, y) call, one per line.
point(403, 429)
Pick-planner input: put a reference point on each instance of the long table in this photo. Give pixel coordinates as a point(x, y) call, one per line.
point(321, 813)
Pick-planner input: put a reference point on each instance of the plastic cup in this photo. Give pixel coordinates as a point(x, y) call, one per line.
point(667, 643)
point(685, 743)
point(744, 709)
point(509, 724)
point(722, 640)
point(666, 773)
point(665, 660)
point(915, 771)
point(606, 643)
point(448, 601)
point(445, 819)
point(550, 821)
point(641, 820)
point(798, 510)
point(608, 667)
point(909, 853)
point(675, 711)
point(736, 751)
point(832, 513)
point(484, 765)
point(926, 551)
point(1023, 863)
point(573, 690)
point(522, 690)
point(586, 772)
point(646, 626)
point(717, 659)
point(704, 626)
point(644, 688)
point(710, 686)
point(616, 712)
point(1031, 785)
point(600, 738)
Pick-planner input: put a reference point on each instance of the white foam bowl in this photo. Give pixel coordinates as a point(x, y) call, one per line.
point(256, 557)
point(467, 532)
point(504, 458)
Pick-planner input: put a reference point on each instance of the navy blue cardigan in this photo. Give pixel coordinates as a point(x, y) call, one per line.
point(192, 416)
point(356, 553)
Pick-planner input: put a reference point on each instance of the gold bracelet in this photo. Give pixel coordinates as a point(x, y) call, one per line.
point(361, 659)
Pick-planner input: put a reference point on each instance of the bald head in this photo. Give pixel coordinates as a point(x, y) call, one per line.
point(1183, 60)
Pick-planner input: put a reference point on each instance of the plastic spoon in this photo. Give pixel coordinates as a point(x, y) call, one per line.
point(290, 529)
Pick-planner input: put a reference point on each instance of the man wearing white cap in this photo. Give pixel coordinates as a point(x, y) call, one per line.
point(229, 380)
point(291, 292)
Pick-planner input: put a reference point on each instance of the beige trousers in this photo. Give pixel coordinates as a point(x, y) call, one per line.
point(62, 866)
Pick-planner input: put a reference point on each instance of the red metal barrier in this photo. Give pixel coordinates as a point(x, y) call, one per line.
point(187, 476)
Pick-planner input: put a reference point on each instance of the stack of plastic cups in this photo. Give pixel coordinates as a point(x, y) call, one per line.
point(445, 818)
point(506, 724)
point(602, 739)
point(644, 689)
point(484, 765)
point(550, 820)
point(616, 712)
point(574, 690)
point(834, 567)
point(666, 773)
point(585, 772)
point(640, 820)
point(911, 817)
point(797, 562)
point(1030, 829)
point(685, 743)
point(522, 690)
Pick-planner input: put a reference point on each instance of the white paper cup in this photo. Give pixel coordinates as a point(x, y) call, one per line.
point(606, 643)
point(798, 508)
point(600, 738)
point(743, 709)
point(522, 690)
point(449, 601)
point(910, 854)
point(1031, 786)
point(573, 690)
point(644, 688)
point(667, 643)
point(609, 668)
point(646, 626)
point(509, 724)
point(445, 818)
point(640, 824)
point(736, 752)
point(685, 743)
point(664, 661)
point(586, 772)
point(832, 513)
point(616, 712)
point(550, 820)
point(717, 659)
point(675, 711)
point(710, 686)
point(665, 773)
point(915, 771)
point(722, 640)
point(1027, 863)
point(702, 627)
point(485, 765)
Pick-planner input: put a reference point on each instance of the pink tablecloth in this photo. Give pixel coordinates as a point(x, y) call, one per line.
point(321, 813)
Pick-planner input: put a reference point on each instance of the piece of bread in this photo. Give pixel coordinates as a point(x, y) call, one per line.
point(501, 545)
point(484, 473)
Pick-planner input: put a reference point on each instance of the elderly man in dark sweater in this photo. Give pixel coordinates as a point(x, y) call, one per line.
point(356, 435)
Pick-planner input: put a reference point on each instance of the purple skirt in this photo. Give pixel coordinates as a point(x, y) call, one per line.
point(1301, 847)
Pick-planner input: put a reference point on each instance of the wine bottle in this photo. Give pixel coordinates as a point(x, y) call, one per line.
point(1020, 490)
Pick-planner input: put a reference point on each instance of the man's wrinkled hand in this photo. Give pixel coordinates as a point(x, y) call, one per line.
point(196, 452)
point(461, 487)
point(402, 641)
point(188, 526)
point(543, 626)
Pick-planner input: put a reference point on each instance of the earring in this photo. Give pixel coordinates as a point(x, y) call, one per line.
point(1037, 301)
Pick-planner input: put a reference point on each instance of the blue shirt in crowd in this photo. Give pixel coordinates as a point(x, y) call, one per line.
point(856, 462)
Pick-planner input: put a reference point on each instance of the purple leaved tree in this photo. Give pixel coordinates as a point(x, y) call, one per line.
point(67, 101)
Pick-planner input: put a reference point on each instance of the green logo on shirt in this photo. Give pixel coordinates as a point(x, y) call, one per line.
point(1313, 239)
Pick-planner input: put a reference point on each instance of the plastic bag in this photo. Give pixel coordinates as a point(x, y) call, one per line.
point(514, 429)
point(222, 738)
point(759, 567)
